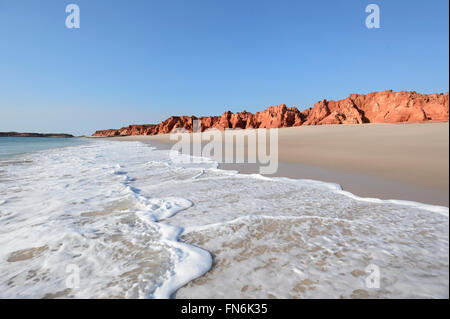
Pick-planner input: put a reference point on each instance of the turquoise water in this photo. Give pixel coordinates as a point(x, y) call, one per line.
point(11, 146)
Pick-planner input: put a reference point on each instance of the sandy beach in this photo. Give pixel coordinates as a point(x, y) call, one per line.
point(387, 161)
point(142, 222)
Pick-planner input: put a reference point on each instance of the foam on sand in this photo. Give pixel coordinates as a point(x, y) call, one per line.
point(139, 223)
point(80, 203)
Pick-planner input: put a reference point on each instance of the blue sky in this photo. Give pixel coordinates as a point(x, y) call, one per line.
point(142, 61)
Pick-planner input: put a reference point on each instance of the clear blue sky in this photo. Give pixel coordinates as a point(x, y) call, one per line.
point(142, 61)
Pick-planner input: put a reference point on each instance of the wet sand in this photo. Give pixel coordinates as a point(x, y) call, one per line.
point(388, 161)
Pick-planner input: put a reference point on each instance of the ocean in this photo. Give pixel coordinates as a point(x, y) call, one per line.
point(111, 219)
point(11, 146)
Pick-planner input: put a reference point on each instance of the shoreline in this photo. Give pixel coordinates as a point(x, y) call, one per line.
point(385, 161)
point(38, 144)
point(343, 218)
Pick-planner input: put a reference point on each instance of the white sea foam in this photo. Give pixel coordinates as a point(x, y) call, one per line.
point(79, 206)
point(139, 223)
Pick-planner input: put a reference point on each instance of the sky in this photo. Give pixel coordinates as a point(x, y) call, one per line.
point(139, 62)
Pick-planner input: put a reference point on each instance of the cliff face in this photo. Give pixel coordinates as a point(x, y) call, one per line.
point(379, 107)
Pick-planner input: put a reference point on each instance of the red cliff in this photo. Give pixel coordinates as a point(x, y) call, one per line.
point(379, 107)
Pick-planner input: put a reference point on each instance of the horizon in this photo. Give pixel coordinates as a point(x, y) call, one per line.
point(141, 62)
point(216, 115)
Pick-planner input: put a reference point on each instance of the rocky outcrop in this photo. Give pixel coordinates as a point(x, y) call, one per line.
point(381, 107)
point(15, 134)
point(378, 107)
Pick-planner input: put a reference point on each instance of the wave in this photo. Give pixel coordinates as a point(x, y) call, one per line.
point(139, 222)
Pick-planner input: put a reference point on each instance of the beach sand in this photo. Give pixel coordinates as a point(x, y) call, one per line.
point(387, 161)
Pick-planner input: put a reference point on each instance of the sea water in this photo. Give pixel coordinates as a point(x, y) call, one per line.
point(109, 219)
point(11, 146)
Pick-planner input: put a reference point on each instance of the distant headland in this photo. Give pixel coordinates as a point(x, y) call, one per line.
point(16, 134)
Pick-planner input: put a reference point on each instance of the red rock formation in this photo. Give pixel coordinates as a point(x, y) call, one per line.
point(106, 133)
point(379, 107)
